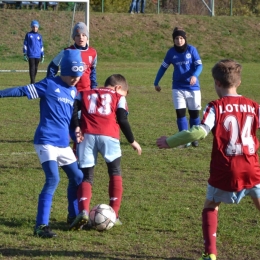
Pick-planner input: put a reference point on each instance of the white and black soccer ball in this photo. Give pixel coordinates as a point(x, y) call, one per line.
point(102, 217)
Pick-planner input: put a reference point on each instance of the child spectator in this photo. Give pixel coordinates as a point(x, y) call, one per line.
point(33, 50)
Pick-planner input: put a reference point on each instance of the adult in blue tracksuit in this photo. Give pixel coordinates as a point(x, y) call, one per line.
point(33, 50)
point(185, 80)
point(51, 139)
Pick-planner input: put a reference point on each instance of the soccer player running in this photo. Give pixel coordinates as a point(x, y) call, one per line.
point(185, 80)
point(234, 167)
point(103, 113)
point(51, 139)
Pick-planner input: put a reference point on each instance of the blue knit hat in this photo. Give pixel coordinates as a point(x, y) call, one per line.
point(71, 63)
point(35, 23)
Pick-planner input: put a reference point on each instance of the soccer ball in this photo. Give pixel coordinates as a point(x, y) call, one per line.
point(102, 217)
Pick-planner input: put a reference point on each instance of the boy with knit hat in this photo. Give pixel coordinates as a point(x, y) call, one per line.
point(51, 139)
point(185, 80)
point(80, 35)
point(33, 50)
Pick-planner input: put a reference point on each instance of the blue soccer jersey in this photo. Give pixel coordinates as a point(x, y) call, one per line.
point(56, 107)
point(33, 45)
point(185, 65)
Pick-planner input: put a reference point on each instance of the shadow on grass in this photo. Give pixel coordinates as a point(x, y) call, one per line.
point(9, 252)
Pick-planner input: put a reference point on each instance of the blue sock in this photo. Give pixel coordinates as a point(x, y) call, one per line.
point(75, 177)
point(182, 123)
point(44, 209)
point(194, 121)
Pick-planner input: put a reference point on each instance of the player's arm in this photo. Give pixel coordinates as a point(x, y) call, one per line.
point(164, 66)
point(13, 92)
point(74, 123)
point(186, 136)
point(121, 115)
point(93, 74)
point(53, 67)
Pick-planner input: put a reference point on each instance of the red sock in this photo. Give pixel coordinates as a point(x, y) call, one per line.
point(84, 196)
point(115, 191)
point(209, 228)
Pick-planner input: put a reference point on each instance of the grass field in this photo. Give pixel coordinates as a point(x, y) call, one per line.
point(164, 190)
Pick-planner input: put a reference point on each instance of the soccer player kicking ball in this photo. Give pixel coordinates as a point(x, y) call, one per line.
point(51, 139)
point(234, 168)
point(103, 114)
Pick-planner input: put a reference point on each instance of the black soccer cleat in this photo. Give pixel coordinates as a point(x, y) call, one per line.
point(43, 231)
point(195, 143)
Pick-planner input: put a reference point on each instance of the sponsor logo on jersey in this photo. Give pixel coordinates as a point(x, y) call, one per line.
point(57, 90)
point(188, 56)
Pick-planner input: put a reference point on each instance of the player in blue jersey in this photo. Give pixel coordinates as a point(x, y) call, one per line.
point(51, 139)
point(185, 80)
point(33, 50)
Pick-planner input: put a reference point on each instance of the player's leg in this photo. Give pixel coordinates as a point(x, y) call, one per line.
point(87, 154)
point(194, 106)
point(110, 150)
point(47, 156)
point(36, 64)
point(31, 70)
point(214, 197)
point(115, 188)
point(254, 193)
point(179, 103)
point(68, 163)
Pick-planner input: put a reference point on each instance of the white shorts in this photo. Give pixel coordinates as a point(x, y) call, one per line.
point(89, 148)
point(186, 99)
point(218, 195)
point(63, 156)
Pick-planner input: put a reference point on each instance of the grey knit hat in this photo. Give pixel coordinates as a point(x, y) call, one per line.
point(80, 28)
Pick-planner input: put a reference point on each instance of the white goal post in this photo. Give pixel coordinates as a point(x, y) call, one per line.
point(77, 1)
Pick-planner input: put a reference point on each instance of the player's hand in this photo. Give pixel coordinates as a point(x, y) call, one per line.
point(137, 147)
point(157, 88)
point(25, 58)
point(161, 142)
point(193, 80)
point(42, 59)
point(79, 135)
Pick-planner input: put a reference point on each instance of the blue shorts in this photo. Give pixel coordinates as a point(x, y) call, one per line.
point(218, 195)
point(89, 148)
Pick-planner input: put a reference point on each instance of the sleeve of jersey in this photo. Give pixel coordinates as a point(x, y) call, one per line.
point(121, 115)
point(93, 78)
point(198, 70)
point(75, 119)
point(53, 67)
point(13, 92)
point(159, 75)
point(187, 136)
point(25, 45)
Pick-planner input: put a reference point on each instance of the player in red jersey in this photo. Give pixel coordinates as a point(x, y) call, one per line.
point(234, 167)
point(103, 113)
point(80, 36)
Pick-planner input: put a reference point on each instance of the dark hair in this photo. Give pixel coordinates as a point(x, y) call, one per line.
point(227, 72)
point(116, 79)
